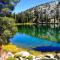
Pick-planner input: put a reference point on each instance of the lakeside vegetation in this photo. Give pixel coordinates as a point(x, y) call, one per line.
point(17, 24)
point(7, 29)
point(14, 49)
point(7, 22)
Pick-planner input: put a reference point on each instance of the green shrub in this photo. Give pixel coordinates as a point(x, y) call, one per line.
point(11, 58)
point(29, 57)
point(7, 29)
point(17, 55)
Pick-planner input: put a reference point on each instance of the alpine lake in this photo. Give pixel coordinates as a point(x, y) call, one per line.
point(38, 37)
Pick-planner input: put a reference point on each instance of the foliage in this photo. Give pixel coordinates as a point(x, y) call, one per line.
point(6, 6)
point(11, 58)
point(11, 48)
point(8, 3)
point(29, 57)
point(7, 28)
point(7, 25)
point(17, 55)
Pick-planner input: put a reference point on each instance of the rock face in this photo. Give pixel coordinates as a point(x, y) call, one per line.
point(42, 13)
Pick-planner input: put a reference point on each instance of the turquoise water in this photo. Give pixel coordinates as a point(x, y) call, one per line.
point(31, 37)
point(44, 32)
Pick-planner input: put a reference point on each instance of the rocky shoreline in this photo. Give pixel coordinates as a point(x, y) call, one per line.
point(11, 52)
point(24, 55)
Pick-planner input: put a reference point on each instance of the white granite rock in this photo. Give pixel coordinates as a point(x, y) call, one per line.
point(24, 53)
point(9, 54)
point(51, 55)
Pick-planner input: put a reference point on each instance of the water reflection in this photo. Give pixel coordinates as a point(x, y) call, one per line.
point(50, 32)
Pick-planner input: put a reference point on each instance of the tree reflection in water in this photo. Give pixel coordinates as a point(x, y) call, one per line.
point(50, 32)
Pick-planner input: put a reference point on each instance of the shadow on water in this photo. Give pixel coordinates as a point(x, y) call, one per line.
point(47, 48)
point(38, 37)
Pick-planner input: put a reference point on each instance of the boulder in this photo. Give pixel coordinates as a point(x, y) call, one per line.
point(49, 55)
point(23, 54)
point(9, 54)
point(58, 54)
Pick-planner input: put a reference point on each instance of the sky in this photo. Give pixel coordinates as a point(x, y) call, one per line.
point(26, 4)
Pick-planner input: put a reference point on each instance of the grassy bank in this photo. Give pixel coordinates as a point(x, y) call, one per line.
point(25, 23)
